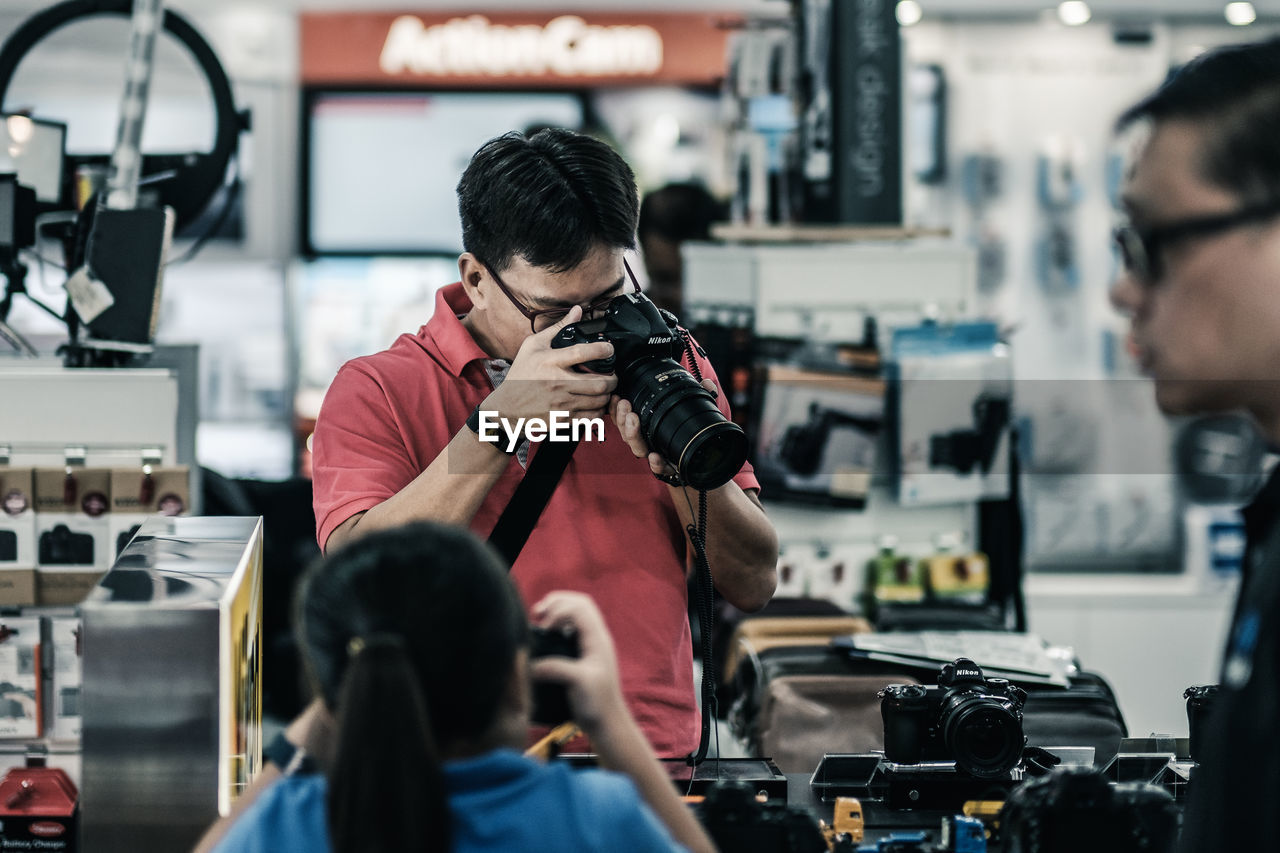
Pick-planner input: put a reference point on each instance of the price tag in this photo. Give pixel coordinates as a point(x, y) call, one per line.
point(89, 296)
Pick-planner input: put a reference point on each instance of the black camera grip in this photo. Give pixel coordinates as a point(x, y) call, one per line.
point(551, 699)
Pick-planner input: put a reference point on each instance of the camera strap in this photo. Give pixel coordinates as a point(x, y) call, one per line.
point(525, 507)
point(705, 592)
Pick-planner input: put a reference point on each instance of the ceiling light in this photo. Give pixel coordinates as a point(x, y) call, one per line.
point(1073, 13)
point(1240, 14)
point(908, 12)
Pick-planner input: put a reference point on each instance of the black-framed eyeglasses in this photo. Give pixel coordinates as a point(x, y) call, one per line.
point(1141, 248)
point(541, 320)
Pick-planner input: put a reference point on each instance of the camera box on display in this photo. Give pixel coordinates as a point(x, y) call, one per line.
point(64, 639)
point(957, 577)
point(818, 434)
point(953, 393)
point(136, 495)
point(20, 694)
point(17, 537)
point(73, 545)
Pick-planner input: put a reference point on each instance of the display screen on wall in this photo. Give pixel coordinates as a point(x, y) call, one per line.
point(382, 167)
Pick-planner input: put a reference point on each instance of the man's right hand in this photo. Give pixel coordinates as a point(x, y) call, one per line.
point(544, 380)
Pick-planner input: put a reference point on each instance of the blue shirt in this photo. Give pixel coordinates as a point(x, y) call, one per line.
point(500, 801)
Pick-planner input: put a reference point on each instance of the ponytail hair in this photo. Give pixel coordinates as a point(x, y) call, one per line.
point(386, 786)
point(410, 637)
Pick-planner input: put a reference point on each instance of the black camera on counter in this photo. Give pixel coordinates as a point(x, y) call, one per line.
point(967, 718)
point(551, 699)
point(1076, 808)
point(678, 417)
point(736, 820)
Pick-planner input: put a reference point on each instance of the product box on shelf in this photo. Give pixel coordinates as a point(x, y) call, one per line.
point(952, 414)
point(957, 577)
point(17, 537)
point(72, 532)
point(20, 689)
point(64, 640)
point(39, 809)
point(817, 434)
point(139, 493)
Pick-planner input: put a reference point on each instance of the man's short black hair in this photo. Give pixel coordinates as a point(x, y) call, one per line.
point(679, 212)
point(1233, 91)
point(549, 198)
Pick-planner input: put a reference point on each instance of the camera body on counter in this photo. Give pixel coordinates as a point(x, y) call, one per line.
point(1075, 808)
point(736, 820)
point(966, 718)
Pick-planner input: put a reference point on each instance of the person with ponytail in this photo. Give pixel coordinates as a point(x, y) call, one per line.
point(416, 644)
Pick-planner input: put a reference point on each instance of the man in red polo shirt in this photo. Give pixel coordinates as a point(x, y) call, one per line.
point(545, 222)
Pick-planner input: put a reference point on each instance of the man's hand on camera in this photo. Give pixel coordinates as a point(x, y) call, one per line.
point(628, 423)
point(544, 380)
point(595, 692)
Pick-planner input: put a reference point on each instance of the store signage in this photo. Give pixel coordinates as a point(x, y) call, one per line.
point(514, 49)
point(852, 127)
point(877, 36)
point(566, 46)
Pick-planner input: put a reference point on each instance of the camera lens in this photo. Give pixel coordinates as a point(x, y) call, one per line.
point(982, 734)
point(680, 420)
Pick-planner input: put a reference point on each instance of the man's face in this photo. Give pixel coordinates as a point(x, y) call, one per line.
point(500, 326)
point(1207, 328)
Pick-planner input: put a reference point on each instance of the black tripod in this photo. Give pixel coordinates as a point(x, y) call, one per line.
point(15, 275)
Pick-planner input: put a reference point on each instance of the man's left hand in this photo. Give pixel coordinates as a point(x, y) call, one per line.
point(628, 423)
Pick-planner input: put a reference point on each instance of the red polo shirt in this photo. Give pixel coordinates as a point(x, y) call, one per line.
point(609, 530)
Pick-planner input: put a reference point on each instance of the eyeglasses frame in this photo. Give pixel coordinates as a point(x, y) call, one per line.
point(1140, 247)
point(532, 315)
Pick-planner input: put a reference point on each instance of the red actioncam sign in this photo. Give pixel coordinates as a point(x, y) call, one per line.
point(514, 49)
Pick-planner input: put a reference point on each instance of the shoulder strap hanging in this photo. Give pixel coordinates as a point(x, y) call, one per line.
point(521, 515)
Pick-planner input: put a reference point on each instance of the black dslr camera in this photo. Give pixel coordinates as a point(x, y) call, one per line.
point(736, 820)
point(678, 417)
point(550, 699)
point(1075, 808)
point(969, 719)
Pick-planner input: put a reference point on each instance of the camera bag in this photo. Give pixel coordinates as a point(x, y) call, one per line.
point(729, 627)
point(797, 703)
point(753, 636)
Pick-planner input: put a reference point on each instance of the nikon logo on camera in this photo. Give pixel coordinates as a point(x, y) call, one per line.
point(560, 427)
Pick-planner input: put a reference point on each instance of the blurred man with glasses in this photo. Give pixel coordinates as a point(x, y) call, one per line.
point(1201, 287)
point(545, 222)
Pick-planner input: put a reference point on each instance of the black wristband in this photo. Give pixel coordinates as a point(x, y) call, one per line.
point(473, 424)
point(289, 758)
